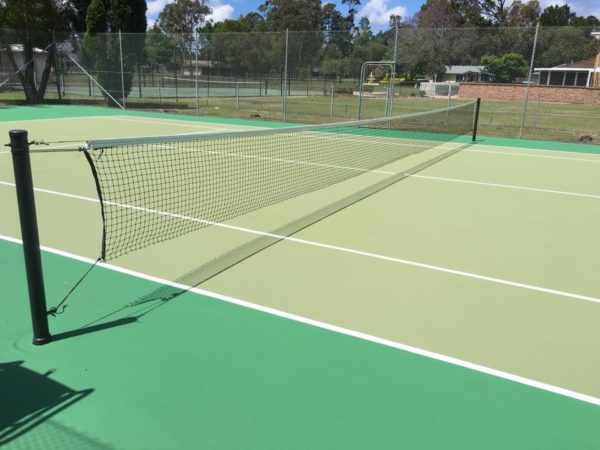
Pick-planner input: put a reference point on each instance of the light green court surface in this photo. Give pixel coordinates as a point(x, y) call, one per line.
point(457, 309)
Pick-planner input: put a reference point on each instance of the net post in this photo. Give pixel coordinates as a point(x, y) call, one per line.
point(476, 119)
point(29, 233)
point(529, 76)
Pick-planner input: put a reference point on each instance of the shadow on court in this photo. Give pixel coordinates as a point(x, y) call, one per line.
point(28, 402)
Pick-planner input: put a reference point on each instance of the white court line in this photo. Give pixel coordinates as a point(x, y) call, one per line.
point(565, 158)
point(334, 328)
point(507, 186)
point(338, 248)
point(51, 119)
point(182, 123)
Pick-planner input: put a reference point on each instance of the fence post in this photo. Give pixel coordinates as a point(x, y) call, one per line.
point(331, 102)
point(196, 76)
point(537, 111)
point(285, 76)
point(393, 86)
point(122, 69)
point(449, 102)
point(56, 66)
point(523, 115)
point(159, 93)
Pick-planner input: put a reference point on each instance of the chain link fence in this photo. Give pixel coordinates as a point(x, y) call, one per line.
point(535, 82)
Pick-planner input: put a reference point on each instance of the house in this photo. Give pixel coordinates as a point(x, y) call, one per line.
point(581, 74)
point(7, 69)
point(462, 74)
point(204, 68)
point(584, 73)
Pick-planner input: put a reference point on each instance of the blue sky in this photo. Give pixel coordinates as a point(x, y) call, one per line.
point(378, 11)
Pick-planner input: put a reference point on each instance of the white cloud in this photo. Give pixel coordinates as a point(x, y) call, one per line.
point(155, 7)
point(585, 8)
point(378, 12)
point(220, 11)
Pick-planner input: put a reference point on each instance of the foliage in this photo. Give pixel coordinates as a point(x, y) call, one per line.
point(294, 15)
point(560, 16)
point(33, 22)
point(103, 47)
point(181, 19)
point(506, 68)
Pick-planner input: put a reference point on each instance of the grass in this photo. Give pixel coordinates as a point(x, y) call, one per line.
point(549, 121)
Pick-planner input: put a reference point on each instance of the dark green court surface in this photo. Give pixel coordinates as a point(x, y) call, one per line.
point(194, 372)
point(457, 308)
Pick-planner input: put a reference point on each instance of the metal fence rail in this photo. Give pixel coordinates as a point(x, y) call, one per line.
point(521, 73)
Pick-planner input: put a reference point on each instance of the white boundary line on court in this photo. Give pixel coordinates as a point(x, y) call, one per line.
point(338, 248)
point(334, 328)
point(52, 119)
point(505, 186)
point(181, 123)
point(330, 247)
point(528, 155)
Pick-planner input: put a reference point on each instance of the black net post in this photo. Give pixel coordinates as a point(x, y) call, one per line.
point(29, 233)
point(476, 119)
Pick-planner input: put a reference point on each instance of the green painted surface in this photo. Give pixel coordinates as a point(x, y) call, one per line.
point(200, 373)
point(199, 370)
point(21, 113)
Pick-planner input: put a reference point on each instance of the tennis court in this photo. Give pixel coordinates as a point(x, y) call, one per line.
point(454, 303)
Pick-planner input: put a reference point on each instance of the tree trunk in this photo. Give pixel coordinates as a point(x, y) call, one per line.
point(41, 91)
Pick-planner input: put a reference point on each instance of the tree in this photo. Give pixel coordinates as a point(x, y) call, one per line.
point(523, 14)
point(560, 16)
point(352, 10)
point(338, 31)
point(33, 22)
point(293, 15)
point(437, 14)
point(503, 12)
point(469, 13)
point(395, 21)
point(506, 68)
point(160, 50)
point(181, 19)
point(80, 10)
point(557, 16)
point(102, 47)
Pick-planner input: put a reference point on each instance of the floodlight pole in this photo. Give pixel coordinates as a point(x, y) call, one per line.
point(56, 68)
point(29, 234)
point(535, 39)
point(393, 85)
point(196, 73)
point(122, 69)
point(285, 76)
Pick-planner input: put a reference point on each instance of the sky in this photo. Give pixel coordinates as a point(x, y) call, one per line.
point(378, 11)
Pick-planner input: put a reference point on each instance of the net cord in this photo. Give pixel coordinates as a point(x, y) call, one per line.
point(108, 143)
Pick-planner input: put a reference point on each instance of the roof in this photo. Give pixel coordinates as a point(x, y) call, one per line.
point(586, 64)
point(461, 70)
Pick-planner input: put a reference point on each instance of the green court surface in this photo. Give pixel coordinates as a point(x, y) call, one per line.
point(458, 308)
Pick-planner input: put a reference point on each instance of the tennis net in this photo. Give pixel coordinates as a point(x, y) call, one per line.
point(154, 189)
